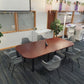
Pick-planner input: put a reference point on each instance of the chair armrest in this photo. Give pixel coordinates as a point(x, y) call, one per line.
point(13, 51)
point(17, 60)
point(10, 52)
point(13, 57)
point(70, 53)
point(44, 62)
point(77, 49)
point(55, 59)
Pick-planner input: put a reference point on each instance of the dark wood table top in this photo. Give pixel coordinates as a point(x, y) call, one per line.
point(36, 49)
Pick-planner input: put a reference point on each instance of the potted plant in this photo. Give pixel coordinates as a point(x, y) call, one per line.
point(56, 26)
point(0, 33)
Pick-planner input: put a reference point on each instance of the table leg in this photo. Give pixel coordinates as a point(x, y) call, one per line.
point(72, 47)
point(24, 59)
point(55, 53)
point(48, 57)
point(67, 49)
point(32, 65)
point(18, 55)
point(64, 60)
point(65, 53)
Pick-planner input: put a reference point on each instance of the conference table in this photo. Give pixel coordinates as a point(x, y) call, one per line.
point(36, 49)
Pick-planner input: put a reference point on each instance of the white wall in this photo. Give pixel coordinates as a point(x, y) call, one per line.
point(13, 39)
point(41, 14)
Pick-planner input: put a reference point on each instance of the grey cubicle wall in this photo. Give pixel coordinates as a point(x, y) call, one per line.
point(26, 20)
point(7, 22)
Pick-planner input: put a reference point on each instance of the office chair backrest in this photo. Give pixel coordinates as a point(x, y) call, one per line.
point(53, 64)
point(40, 37)
point(72, 38)
point(25, 40)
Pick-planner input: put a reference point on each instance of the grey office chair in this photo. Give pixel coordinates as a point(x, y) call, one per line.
point(53, 64)
point(40, 37)
point(25, 40)
point(13, 59)
point(60, 53)
point(74, 56)
point(10, 53)
point(15, 62)
point(72, 38)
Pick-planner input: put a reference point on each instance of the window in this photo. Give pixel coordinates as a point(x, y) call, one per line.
point(26, 20)
point(61, 16)
point(7, 22)
point(17, 21)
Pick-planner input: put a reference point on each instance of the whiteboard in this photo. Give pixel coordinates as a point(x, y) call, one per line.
point(14, 5)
